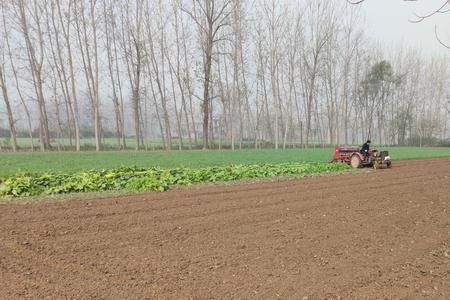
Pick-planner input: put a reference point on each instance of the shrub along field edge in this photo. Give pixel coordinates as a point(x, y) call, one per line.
point(152, 179)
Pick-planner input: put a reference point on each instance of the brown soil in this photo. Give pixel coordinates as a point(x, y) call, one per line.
point(381, 234)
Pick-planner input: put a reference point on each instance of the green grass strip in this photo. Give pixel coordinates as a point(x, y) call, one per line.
point(75, 162)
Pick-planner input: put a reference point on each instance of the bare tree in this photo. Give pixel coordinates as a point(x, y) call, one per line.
point(180, 74)
point(36, 59)
point(3, 85)
point(133, 44)
point(275, 15)
point(320, 29)
point(16, 79)
point(157, 65)
point(58, 67)
point(210, 16)
point(86, 25)
point(4, 48)
point(64, 19)
point(110, 37)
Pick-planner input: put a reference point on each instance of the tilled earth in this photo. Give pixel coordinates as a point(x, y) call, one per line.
point(381, 234)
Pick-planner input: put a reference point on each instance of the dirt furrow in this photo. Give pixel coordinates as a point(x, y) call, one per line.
point(381, 234)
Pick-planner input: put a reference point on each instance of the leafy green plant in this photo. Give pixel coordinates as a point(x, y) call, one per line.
point(152, 179)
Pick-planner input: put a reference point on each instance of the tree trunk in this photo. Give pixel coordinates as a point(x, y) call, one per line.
point(12, 127)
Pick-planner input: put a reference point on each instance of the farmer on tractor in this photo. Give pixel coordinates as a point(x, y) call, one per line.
point(365, 149)
point(359, 157)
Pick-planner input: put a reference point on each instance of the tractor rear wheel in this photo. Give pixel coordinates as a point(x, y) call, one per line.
point(355, 161)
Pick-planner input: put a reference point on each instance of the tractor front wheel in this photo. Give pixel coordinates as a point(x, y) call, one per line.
point(355, 161)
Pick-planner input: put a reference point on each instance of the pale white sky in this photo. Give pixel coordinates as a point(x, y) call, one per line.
point(388, 22)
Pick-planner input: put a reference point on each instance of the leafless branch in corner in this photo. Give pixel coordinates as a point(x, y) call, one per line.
point(439, 39)
point(442, 9)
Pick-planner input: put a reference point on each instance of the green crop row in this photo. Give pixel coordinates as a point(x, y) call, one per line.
point(153, 179)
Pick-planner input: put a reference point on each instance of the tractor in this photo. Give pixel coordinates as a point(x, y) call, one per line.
point(352, 155)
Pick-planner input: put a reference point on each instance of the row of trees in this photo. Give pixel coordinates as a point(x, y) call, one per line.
point(204, 71)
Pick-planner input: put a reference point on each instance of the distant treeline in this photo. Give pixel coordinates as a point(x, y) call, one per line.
point(278, 73)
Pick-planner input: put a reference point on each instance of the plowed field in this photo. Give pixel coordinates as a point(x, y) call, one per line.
point(381, 234)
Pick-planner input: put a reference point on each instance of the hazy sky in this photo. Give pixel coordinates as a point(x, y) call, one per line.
point(388, 22)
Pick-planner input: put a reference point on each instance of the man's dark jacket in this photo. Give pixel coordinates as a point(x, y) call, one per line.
point(365, 148)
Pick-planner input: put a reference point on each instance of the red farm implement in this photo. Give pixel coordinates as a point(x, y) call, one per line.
point(353, 156)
